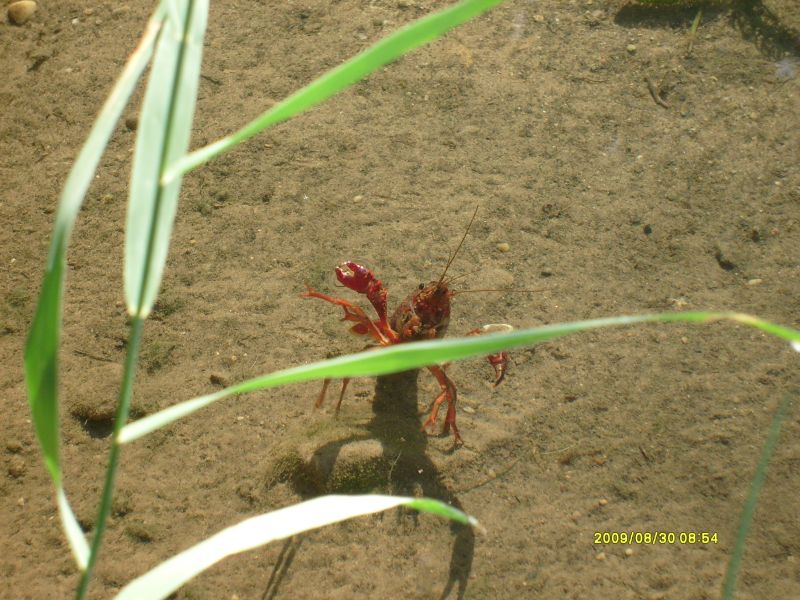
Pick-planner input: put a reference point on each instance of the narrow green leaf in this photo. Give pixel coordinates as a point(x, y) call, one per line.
point(163, 136)
point(443, 510)
point(729, 583)
point(257, 531)
point(402, 357)
point(41, 348)
point(72, 529)
point(404, 40)
point(41, 357)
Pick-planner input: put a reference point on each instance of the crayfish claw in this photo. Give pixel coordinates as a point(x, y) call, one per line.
point(354, 276)
point(500, 363)
point(500, 360)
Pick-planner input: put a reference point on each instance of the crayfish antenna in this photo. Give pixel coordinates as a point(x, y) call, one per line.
point(452, 256)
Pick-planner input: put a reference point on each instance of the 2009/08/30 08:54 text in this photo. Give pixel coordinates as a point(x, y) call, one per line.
point(656, 537)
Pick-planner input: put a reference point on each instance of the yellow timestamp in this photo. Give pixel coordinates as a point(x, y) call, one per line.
point(656, 537)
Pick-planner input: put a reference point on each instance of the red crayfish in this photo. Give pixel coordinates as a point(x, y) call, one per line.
point(424, 315)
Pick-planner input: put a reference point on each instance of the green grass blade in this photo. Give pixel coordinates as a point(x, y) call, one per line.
point(257, 531)
point(41, 356)
point(41, 348)
point(447, 511)
point(729, 583)
point(163, 136)
point(404, 40)
point(70, 525)
point(402, 357)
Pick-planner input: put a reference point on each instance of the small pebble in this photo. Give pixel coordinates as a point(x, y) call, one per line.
point(756, 281)
point(679, 303)
point(628, 551)
point(217, 379)
point(16, 466)
point(538, 18)
point(631, 48)
point(602, 502)
point(786, 69)
point(20, 12)
point(600, 556)
point(468, 409)
point(358, 198)
point(503, 247)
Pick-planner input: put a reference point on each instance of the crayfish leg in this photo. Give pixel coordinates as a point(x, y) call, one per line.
point(364, 325)
point(345, 381)
point(321, 398)
point(448, 394)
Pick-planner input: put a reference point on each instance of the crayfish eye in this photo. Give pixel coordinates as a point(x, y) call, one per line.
point(422, 286)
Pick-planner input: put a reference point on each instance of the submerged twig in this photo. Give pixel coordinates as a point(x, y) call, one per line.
point(489, 479)
point(655, 92)
point(693, 32)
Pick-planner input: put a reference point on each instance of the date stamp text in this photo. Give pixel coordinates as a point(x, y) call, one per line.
point(653, 538)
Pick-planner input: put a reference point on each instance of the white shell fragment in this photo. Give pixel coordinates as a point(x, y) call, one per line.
point(497, 328)
point(20, 12)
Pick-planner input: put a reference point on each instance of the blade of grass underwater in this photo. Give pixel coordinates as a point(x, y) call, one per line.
point(164, 129)
point(41, 348)
point(729, 583)
point(163, 136)
point(167, 577)
point(69, 523)
point(404, 40)
point(402, 357)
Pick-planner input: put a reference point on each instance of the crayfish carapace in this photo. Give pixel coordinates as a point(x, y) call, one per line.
point(423, 315)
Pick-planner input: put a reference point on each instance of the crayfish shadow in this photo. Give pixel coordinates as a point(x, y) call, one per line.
point(396, 423)
point(392, 448)
point(387, 455)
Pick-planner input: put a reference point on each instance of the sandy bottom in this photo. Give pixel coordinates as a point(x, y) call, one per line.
point(610, 202)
